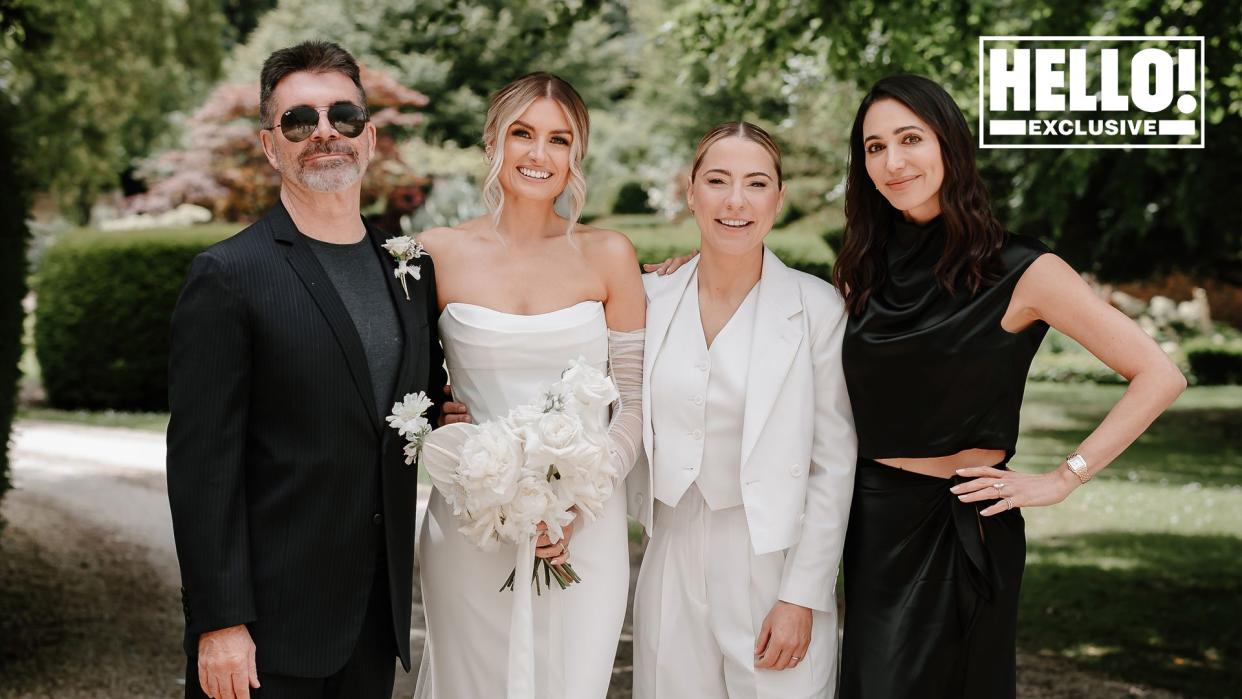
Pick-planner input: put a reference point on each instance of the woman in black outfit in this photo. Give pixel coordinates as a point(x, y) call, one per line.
point(946, 312)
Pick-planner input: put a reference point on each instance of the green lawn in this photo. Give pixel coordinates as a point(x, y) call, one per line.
point(154, 422)
point(1138, 575)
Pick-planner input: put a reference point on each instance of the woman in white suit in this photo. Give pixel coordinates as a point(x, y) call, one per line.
point(750, 447)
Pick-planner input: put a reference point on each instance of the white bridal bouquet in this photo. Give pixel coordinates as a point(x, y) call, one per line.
point(537, 464)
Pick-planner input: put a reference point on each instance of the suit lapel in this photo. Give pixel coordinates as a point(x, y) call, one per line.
point(308, 269)
point(411, 313)
point(777, 336)
point(661, 306)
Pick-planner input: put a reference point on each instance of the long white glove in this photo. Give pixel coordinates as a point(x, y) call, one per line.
point(625, 431)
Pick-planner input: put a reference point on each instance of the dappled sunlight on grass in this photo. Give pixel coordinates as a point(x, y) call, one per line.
point(1161, 609)
point(1140, 507)
point(1198, 440)
point(1138, 574)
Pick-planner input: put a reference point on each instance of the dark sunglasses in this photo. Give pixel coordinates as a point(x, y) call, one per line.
point(299, 123)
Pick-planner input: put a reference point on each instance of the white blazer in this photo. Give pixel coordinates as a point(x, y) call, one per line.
point(799, 448)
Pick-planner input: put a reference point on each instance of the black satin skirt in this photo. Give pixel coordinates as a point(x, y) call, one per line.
point(931, 591)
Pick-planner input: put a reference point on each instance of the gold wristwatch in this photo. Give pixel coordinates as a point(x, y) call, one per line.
point(1078, 466)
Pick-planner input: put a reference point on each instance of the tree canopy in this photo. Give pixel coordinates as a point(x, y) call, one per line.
point(94, 82)
point(1118, 213)
point(458, 53)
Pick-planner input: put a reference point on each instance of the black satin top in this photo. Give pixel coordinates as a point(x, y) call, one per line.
point(931, 373)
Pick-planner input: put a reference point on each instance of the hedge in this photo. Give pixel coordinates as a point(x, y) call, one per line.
point(101, 323)
point(632, 199)
point(1215, 364)
point(105, 300)
point(14, 237)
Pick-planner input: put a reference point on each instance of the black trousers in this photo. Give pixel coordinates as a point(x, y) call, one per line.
point(368, 674)
point(931, 591)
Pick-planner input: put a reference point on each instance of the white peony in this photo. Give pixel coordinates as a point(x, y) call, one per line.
point(535, 502)
point(491, 463)
point(482, 528)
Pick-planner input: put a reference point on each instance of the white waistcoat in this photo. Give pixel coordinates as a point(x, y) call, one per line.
point(698, 402)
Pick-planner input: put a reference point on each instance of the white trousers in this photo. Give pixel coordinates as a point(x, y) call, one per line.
point(701, 600)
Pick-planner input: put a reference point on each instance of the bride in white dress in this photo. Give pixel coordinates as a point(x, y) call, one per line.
point(523, 291)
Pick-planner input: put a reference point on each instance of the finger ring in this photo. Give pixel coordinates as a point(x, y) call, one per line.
point(1009, 503)
point(998, 485)
point(795, 657)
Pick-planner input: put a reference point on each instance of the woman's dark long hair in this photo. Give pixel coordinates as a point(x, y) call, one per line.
point(973, 235)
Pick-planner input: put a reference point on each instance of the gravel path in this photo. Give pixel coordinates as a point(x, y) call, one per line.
point(83, 612)
point(89, 602)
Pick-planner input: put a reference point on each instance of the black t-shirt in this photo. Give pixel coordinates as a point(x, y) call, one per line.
point(360, 278)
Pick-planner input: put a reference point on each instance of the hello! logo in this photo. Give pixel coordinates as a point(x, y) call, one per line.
point(1091, 92)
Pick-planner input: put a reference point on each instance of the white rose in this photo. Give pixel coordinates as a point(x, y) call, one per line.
point(555, 439)
point(400, 246)
point(590, 494)
point(524, 416)
point(558, 431)
point(582, 461)
point(491, 462)
point(587, 385)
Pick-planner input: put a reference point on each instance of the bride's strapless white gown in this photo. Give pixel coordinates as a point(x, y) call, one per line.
point(496, 361)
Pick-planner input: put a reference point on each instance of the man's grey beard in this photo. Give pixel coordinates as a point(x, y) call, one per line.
point(332, 176)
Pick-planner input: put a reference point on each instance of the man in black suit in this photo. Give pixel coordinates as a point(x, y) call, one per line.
point(292, 506)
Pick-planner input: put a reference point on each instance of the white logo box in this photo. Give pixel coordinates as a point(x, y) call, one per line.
point(1094, 47)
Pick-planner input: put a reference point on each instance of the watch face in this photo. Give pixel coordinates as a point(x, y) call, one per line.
point(1076, 463)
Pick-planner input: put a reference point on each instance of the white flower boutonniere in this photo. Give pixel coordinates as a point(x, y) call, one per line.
point(408, 418)
point(403, 249)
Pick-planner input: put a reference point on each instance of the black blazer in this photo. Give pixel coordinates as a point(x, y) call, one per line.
point(286, 487)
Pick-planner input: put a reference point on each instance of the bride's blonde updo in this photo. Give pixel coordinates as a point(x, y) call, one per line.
point(506, 106)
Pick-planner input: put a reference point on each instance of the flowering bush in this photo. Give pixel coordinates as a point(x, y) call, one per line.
point(221, 165)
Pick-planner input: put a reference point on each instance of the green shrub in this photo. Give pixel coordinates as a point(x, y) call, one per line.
point(14, 237)
point(1214, 364)
point(835, 238)
point(789, 214)
point(102, 320)
point(105, 300)
point(632, 199)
